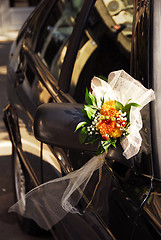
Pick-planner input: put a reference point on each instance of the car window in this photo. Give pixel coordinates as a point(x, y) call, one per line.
point(33, 21)
point(106, 46)
point(55, 34)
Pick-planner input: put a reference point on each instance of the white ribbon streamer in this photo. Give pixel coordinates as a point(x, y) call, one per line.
point(48, 203)
point(122, 87)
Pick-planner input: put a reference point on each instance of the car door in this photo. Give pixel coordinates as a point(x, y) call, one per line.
point(25, 100)
point(41, 64)
point(75, 90)
point(124, 186)
point(36, 82)
point(49, 46)
point(146, 67)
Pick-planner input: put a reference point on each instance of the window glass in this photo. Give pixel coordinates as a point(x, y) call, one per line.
point(106, 46)
point(39, 93)
point(55, 34)
point(29, 74)
point(33, 23)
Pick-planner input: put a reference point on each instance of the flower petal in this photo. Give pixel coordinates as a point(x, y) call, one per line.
point(101, 89)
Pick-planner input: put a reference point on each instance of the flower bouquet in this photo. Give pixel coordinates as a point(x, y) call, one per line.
point(105, 124)
point(112, 111)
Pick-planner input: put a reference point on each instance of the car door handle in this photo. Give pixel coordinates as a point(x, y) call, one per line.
point(19, 77)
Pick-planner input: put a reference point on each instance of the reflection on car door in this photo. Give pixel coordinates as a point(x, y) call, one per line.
point(123, 187)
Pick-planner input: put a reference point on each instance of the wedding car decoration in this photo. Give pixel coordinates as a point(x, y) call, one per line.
point(105, 124)
point(113, 113)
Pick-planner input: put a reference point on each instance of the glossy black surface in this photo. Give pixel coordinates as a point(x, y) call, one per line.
point(55, 121)
point(58, 51)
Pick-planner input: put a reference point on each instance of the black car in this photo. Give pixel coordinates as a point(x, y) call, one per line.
point(59, 49)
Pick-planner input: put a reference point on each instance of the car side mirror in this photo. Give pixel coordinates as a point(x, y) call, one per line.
point(55, 124)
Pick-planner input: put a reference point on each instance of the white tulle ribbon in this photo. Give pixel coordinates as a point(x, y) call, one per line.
point(122, 87)
point(48, 203)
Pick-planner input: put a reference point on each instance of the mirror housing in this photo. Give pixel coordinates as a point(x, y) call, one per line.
point(55, 124)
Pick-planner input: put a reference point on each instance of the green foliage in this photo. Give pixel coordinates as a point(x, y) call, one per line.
point(93, 139)
point(103, 78)
point(119, 106)
point(90, 110)
point(90, 98)
point(81, 124)
point(129, 105)
point(103, 100)
point(83, 135)
point(105, 145)
point(126, 108)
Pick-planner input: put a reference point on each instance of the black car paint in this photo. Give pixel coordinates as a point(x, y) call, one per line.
point(124, 198)
point(143, 68)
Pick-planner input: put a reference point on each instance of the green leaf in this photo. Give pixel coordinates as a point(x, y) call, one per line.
point(129, 105)
point(129, 100)
point(93, 139)
point(87, 98)
point(113, 142)
point(93, 99)
point(90, 111)
point(81, 124)
point(134, 104)
point(127, 109)
point(104, 146)
point(103, 78)
point(119, 106)
point(102, 100)
point(90, 98)
point(100, 150)
point(83, 135)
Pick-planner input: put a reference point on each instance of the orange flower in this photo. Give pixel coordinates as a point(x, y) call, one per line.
point(109, 125)
point(116, 133)
point(108, 109)
point(106, 127)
